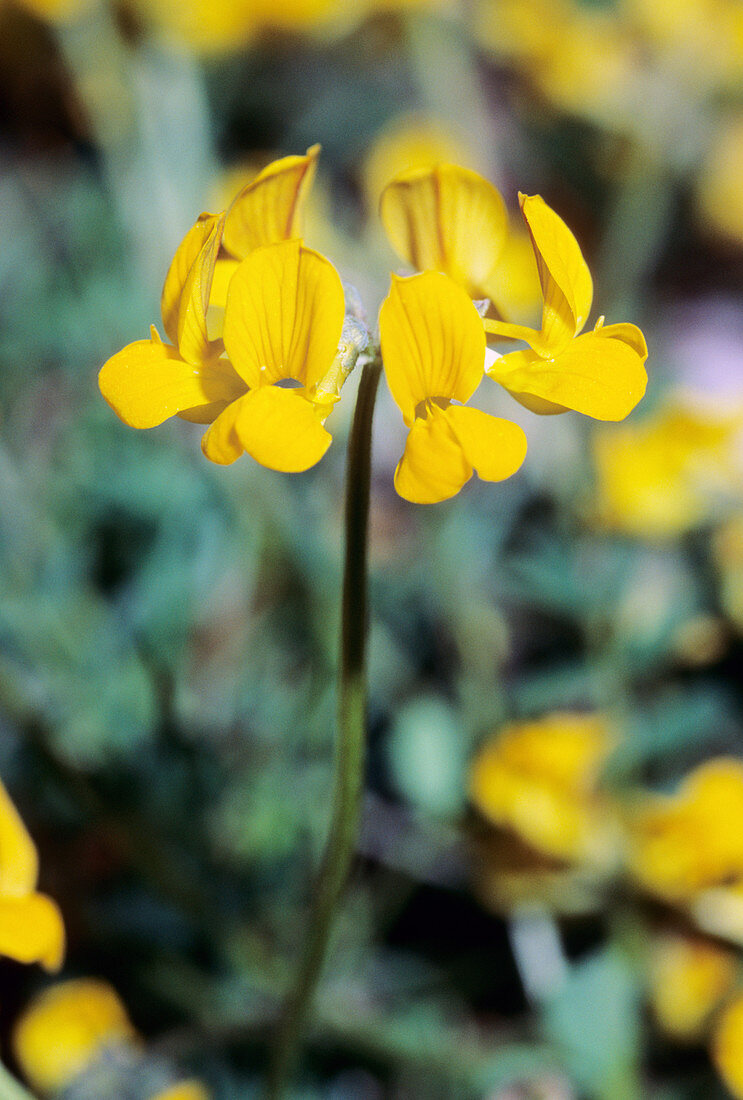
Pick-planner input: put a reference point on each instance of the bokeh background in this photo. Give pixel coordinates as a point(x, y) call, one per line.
point(548, 901)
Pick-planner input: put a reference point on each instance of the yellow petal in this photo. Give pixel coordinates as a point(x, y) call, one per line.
point(193, 338)
point(31, 930)
point(495, 447)
point(65, 1028)
point(284, 316)
point(433, 343)
point(567, 286)
point(433, 466)
point(175, 280)
point(280, 429)
point(447, 219)
point(18, 860)
point(269, 209)
point(223, 272)
point(221, 443)
point(147, 382)
point(628, 333)
point(600, 377)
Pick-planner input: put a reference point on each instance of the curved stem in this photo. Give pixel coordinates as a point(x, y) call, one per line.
point(349, 765)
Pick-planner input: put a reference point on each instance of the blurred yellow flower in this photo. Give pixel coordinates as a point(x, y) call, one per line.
point(727, 1046)
point(66, 1028)
point(446, 218)
point(582, 58)
point(217, 26)
point(719, 194)
point(666, 474)
point(689, 978)
point(540, 779)
point(599, 373)
point(31, 928)
point(184, 1090)
point(691, 840)
point(433, 350)
point(699, 40)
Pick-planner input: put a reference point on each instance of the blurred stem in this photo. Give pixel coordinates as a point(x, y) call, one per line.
point(10, 1089)
point(349, 764)
point(637, 226)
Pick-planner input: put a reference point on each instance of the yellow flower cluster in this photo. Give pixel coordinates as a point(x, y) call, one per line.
point(31, 928)
point(72, 1026)
point(541, 781)
point(255, 322)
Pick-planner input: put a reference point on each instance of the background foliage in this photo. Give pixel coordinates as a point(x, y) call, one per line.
point(168, 628)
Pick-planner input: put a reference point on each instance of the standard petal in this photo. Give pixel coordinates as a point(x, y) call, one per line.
point(175, 280)
point(193, 339)
point(280, 429)
point(446, 219)
point(598, 376)
point(269, 209)
point(433, 343)
point(433, 466)
point(284, 315)
point(147, 382)
point(31, 930)
point(220, 442)
point(567, 286)
point(495, 447)
point(18, 860)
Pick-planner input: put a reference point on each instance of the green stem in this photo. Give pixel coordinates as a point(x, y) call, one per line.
point(10, 1089)
point(349, 766)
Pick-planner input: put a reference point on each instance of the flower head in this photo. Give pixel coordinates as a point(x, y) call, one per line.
point(31, 928)
point(67, 1027)
point(282, 321)
point(599, 373)
point(433, 349)
point(689, 976)
point(540, 780)
point(727, 1044)
point(691, 841)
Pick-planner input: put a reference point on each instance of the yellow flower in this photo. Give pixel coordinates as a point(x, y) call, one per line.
point(692, 840)
point(689, 977)
point(433, 350)
point(184, 1090)
point(31, 928)
point(447, 218)
point(666, 474)
point(282, 322)
point(540, 779)
point(66, 1028)
point(727, 1046)
point(599, 373)
point(215, 26)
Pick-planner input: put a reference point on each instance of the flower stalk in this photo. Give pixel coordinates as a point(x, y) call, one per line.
point(350, 750)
